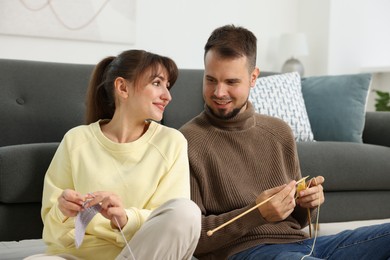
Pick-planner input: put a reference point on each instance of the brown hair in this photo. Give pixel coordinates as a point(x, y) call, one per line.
point(130, 65)
point(230, 41)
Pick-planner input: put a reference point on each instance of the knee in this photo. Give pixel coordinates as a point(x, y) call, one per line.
point(186, 210)
point(185, 213)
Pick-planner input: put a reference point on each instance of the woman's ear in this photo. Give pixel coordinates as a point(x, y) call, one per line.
point(121, 87)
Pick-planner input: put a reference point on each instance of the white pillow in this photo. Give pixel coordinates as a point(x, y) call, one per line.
point(281, 96)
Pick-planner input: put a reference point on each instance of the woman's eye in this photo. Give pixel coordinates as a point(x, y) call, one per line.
point(156, 83)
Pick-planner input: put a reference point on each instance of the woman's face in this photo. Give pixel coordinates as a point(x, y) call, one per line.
point(149, 100)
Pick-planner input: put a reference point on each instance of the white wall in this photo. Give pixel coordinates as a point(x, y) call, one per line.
point(313, 19)
point(359, 40)
point(359, 37)
point(175, 28)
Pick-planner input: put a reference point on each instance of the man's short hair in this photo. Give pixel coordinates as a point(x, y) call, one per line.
point(231, 41)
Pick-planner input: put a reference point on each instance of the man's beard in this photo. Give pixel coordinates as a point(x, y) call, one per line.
point(222, 115)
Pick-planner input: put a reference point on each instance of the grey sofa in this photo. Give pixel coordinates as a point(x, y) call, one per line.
point(40, 101)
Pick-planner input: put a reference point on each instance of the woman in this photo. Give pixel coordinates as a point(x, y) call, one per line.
point(134, 168)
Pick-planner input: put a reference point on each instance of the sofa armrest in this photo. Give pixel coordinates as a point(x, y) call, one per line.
point(377, 128)
point(22, 169)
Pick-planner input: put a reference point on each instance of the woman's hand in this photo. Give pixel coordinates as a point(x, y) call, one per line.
point(313, 196)
point(71, 202)
point(112, 207)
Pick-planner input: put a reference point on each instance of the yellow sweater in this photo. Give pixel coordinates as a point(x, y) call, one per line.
point(144, 173)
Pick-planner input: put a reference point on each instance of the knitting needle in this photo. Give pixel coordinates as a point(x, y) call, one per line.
point(211, 232)
point(308, 212)
point(67, 217)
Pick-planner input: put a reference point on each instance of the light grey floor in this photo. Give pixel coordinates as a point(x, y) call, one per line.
point(18, 250)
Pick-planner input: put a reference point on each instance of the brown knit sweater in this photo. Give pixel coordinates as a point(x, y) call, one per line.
point(232, 162)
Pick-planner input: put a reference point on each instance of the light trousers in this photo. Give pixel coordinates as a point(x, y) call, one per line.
point(171, 232)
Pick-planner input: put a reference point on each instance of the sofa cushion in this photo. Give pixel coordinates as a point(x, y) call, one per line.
point(281, 96)
point(336, 106)
point(20, 221)
point(347, 166)
point(187, 100)
point(355, 205)
point(22, 169)
point(41, 101)
point(377, 128)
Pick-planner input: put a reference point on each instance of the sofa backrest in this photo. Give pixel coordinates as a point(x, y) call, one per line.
point(187, 99)
point(40, 101)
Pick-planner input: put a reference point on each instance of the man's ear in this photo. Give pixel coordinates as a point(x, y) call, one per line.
point(121, 87)
point(255, 73)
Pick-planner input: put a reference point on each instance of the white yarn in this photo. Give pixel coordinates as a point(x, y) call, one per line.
point(316, 230)
point(124, 238)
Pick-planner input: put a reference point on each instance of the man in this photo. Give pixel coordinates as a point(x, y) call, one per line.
point(239, 158)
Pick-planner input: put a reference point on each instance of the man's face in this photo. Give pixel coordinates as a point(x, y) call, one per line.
point(226, 84)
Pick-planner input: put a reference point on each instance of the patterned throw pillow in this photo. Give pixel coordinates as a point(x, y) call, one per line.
point(281, 96)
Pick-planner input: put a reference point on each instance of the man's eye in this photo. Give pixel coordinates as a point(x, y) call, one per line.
point(232, 83)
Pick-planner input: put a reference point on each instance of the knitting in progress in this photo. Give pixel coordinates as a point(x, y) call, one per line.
point(82, 221)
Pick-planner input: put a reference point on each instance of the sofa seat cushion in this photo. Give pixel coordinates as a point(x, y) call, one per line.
point(340, 206)
point(347, 166)
point(336, 227)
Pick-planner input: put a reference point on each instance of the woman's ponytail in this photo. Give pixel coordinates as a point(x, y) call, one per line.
point(100, 95)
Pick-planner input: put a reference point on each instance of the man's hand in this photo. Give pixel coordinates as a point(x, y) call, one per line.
point(281, 205)
point(313, 196)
